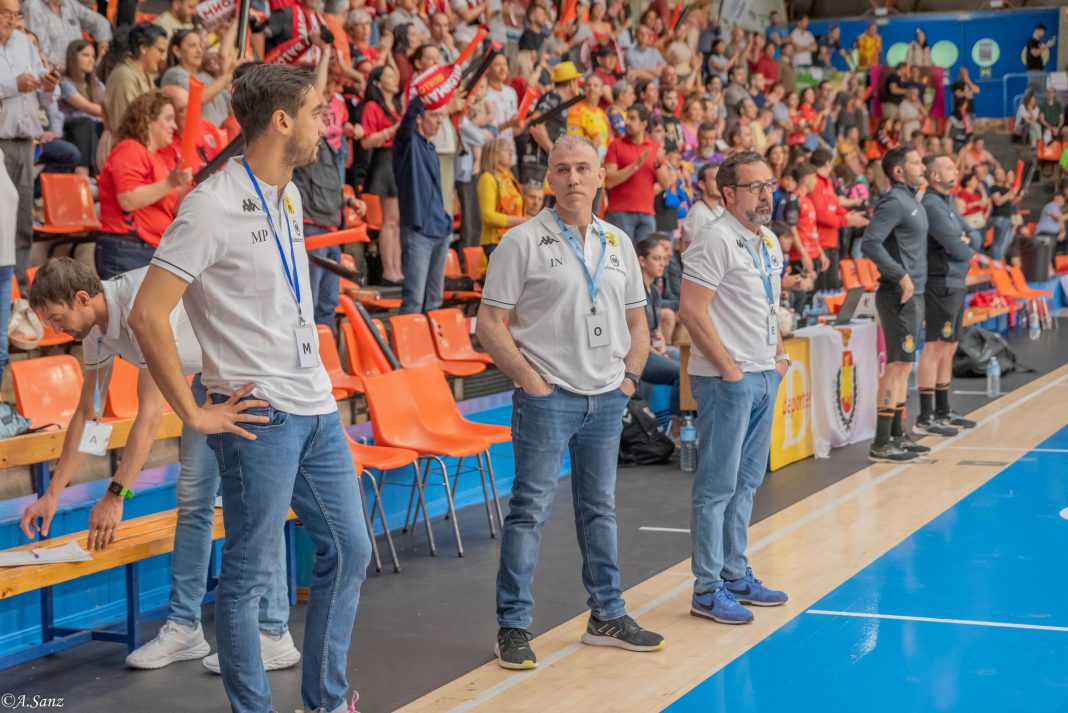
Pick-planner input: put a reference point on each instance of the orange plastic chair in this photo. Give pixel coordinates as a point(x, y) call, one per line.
point(438, 410)
point(415, 346)
point(122, 390)
point(373, 217)
point(1051, 152)
point(848, 271)
point(364, 457)
point(868, 274)
point(452, 269)
point(351, 218)
point(68, 204)
point(16, 294)
point(369, 357)
point(1060, 263)
point(1003, 283)
point(448, 328)
point(396, 422)
point(1020, 283)
point(343, 283)
point(475, 263)
point(47, 389)
point(342, 384)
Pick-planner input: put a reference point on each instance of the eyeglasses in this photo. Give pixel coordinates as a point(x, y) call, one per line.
point(9, 15)
point(756, 188)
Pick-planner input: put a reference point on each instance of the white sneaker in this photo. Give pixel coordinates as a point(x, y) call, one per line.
point(276, 654)
point(174, 642)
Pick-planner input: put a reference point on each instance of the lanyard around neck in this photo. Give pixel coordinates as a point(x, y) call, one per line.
point(593, 282)
point(292, 276)
point(763, 269)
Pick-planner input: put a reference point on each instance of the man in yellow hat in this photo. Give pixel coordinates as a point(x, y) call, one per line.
point(533, 147)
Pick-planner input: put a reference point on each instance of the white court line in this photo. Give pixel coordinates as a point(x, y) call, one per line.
point(1006, 448)
point(970, 393)
point(967, 622)
point(512, 681)
point(665, 529)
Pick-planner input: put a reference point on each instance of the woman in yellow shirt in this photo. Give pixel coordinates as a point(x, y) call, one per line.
point(500, 200)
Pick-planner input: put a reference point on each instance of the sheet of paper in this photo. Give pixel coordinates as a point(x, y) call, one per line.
point(70, 552)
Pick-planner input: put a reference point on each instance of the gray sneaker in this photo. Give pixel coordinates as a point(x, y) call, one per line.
point(623, 633)
point(513, 649)
point(889, 452)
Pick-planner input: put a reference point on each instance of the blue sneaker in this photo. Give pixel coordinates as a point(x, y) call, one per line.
point(720, 605)
point(750, 590)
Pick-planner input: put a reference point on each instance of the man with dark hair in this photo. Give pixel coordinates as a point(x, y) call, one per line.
point(270, 417)
point(69, 297)
point(563, 315)
point(633, 164)
point(949, 255)
point(1036, 49)
point(896, 240)
point(892, 91)
point(729, 303)
point(831, 217)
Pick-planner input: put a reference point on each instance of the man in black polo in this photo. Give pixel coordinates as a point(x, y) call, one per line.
point(896, 240)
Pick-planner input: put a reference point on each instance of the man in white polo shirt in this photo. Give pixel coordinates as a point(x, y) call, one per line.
point(730, 294)
point(71, 298)
point(235, 255)
point(563, 315)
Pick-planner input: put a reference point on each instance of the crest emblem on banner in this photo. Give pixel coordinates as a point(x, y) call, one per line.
point(845, 385)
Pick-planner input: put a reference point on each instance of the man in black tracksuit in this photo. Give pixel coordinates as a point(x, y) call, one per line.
point(949, 253)
point(896, 240)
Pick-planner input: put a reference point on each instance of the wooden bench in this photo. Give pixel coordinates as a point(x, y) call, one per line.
point(37, 450)
point(136, 540)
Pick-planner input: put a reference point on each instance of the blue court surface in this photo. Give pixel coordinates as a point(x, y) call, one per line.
point(970, 613)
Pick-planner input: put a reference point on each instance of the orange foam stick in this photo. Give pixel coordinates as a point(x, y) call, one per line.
point(474, 44)
point(192, 122)
point(525, 104)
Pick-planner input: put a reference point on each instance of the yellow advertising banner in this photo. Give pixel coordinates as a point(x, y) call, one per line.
point(791, 429)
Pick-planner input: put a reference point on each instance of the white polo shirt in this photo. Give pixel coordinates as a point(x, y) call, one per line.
point(739, 311)
point(535, 273)
point(239, 302)
point(699, 216)
point(99, 347)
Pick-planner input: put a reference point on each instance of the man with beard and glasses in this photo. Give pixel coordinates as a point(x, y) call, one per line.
point(730, 294)
point(235, 256)
point(71, 298)
point(896, 240)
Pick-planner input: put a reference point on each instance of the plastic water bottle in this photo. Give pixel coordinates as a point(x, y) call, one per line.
point(993, 378)
point(1034, 329)
point(688, 440)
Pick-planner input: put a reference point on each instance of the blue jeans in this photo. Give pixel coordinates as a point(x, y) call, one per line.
point(637, 225)
point(423, 263)
point(198, 483)
point(6, 271)
point(324, 284)
point(664, 370)
point(116, 254)
point(1002, 236)
point(734, 434)
point(543, 429)
point(303, 460)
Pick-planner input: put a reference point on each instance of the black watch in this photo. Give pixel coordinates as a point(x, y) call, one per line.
point(117, 489)
point(633, 377)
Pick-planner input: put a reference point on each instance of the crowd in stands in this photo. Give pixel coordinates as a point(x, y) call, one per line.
point(665, 96)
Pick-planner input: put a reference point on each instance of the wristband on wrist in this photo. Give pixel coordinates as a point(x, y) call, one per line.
point(122, 491)
point(633, 377)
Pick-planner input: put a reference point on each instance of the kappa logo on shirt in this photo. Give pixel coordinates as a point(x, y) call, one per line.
point(249, 206)
point(547, 240)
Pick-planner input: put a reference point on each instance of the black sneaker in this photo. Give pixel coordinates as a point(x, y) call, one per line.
point(953, 418)
point(889, 452)
point(932, 426)
point(623, 632)
point(513, 649)
point(907, 444)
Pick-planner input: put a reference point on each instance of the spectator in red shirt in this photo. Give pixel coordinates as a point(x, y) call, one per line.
point(831, 217)
point(381, 117)
point(768, 65)
point(805, 249)
point(139, 193)
point(633, 164)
